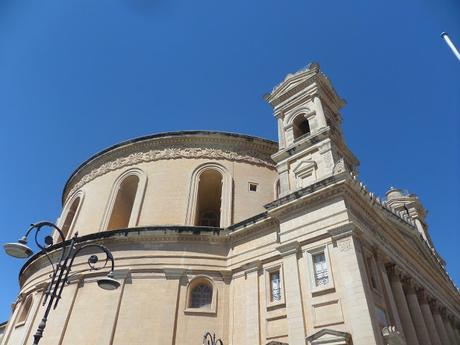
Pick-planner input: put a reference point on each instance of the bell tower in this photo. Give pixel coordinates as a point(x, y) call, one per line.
point(311, 145)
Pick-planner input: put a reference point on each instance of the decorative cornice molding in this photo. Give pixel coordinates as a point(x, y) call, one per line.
point(165, 154)
point(252, 267)
point(291, 248)
point(214, 146)
point(174, 273)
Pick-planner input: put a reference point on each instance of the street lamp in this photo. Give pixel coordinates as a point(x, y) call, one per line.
point(209, 339)
point(60, 275)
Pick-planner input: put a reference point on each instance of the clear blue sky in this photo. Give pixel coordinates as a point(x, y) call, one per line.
point(77, 76)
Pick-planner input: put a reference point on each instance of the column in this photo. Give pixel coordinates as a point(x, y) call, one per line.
point(403, 309)
point(450, 331)
point(439, 323)
point(252, 303)
point(416, 313)
point(389, 298)
point(428, 317)
point(457, 331)
point(294, 310)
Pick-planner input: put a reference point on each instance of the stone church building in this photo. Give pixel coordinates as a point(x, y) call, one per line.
point(259, 242)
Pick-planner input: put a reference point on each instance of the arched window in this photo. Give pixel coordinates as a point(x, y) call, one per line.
point(70, 217)
point(24, 310)
point(201, 296)
point(300, 126)
point(209, 199)
point(124, 202)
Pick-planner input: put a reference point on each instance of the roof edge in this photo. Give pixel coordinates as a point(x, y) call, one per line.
point(157, 136)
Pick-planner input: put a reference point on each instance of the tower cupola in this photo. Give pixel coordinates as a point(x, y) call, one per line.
point(311, 145)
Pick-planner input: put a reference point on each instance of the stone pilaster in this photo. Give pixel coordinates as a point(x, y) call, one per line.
point(296, 324)
point(252, 303)
point(416, 313)
point(428, 317)
point(281, 138)
point(398, 292)
point(175, 279)
point(284, 178)
point(439, 323)
point(320, 117)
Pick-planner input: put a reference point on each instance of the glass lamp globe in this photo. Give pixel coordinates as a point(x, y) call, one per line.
point(19, 249)
point(108, 283)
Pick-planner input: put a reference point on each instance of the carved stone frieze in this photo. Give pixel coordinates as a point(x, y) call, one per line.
point(171, 153)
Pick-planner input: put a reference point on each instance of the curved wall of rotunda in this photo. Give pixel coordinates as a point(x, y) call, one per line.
point(183, 178)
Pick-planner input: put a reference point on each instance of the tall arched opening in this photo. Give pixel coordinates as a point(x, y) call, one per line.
point(300, 126)
point(209, 199)
point(70, 217)
point(124, 202)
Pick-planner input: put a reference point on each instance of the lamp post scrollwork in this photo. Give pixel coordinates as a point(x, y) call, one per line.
point(210, 339)
point(61, 270)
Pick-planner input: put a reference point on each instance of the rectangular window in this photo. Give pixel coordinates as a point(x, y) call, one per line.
point(275, 286)
point(252, 187)
point(320, 269)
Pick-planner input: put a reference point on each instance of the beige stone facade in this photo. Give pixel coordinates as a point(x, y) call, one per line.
point(255, 241)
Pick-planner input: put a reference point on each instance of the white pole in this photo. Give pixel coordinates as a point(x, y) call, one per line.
point(451, 44)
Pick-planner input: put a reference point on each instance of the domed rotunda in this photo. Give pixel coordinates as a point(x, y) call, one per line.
point(259, 242)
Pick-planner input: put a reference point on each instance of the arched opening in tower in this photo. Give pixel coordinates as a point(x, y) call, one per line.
point(301, 127)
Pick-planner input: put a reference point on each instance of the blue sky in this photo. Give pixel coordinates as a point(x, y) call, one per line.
point(77, 76)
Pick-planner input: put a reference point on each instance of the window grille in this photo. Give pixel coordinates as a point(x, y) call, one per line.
point(275, 285)
point(320, 268)
point(201, 296)
point(209, 218)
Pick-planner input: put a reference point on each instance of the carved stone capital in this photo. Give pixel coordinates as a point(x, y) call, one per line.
point(410, 284)
point(395, 272)
point(422, 295)
point(434, 305)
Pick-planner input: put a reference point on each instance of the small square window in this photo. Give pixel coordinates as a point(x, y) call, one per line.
point(252, 187)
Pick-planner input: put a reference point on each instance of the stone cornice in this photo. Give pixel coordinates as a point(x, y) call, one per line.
point(167, 146)
point(151, 233)
point(296, 82)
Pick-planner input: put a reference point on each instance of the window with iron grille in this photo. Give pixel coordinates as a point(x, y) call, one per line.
point(201, 296)
point(320, 269)
point(275, 286)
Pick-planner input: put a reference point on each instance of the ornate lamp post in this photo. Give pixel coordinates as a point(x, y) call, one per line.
point(60, 275)
point(209, 339)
